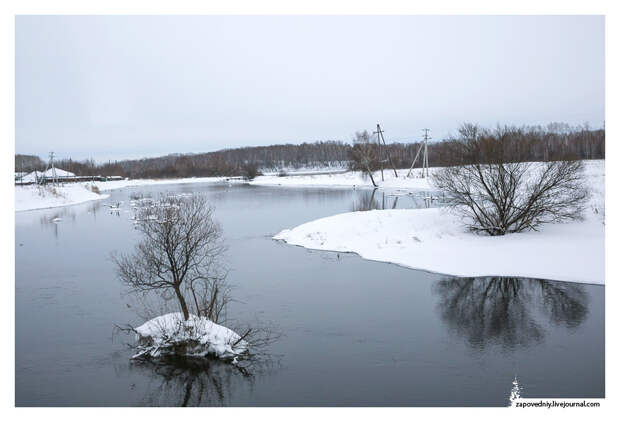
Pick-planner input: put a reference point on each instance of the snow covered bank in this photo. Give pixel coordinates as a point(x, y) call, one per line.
point(592, 169)
point(119, 184)
point(197, 337)
point(434, 240)
point(348, 179)
point(33, 197)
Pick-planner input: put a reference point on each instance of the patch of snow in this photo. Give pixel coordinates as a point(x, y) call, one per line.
point(170, 334)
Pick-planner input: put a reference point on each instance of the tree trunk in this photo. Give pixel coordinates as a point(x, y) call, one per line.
point(372, 179)
point(182, 302)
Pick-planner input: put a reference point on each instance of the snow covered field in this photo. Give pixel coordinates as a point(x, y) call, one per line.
point(434, 240)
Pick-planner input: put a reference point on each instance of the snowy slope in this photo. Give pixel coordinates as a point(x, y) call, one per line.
point(34, 197)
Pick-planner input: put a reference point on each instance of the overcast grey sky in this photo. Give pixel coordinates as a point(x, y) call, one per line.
point(114, 87)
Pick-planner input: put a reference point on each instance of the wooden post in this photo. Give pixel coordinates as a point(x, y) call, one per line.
point(415, 159)
point(379, 145)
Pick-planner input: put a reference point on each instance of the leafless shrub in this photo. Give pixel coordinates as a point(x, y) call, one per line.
point(497, 193)
point(250, 171)
point(95, 189)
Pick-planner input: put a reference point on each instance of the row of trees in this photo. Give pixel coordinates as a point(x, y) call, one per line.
point(537, 143)
point(28, 163)
point(528, 143)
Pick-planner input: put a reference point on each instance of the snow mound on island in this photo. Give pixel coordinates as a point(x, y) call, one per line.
point(170, 334)
point(435, 240)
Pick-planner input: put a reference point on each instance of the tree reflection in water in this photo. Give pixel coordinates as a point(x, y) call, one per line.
point(192, 381)
point(367, 200)
point(510, 312)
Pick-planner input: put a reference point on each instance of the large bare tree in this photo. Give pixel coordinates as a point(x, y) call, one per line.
point(364, 155)
point(496, 192)
point(179, 255)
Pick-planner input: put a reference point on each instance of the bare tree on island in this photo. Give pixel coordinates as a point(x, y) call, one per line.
point(364, 155)
point(179, 258)
point(497, 192)
point(179, 254)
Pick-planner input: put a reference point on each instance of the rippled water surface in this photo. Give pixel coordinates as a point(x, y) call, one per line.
point(355, 332)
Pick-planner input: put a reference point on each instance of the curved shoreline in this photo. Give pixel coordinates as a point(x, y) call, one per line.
point(432, 240)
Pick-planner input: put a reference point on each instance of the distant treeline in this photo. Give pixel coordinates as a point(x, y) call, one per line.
point(540, 144)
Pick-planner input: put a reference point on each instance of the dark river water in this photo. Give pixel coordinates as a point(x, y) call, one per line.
point(354, 332)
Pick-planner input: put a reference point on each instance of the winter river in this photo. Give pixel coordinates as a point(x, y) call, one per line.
point(355, 332)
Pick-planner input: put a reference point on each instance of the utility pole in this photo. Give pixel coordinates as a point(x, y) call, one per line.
point(378, 133)
point(415, 159)
point(380, 138)
point(51, 163)
point(425, 159)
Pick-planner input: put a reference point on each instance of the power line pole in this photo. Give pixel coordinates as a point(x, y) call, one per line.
point(50, 163)
point(378, 133)
point(425, 159)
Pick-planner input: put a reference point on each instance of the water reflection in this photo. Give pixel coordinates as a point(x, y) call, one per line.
point(383, 200)
point(510, 312)
point(192, 382)
point(57, 217)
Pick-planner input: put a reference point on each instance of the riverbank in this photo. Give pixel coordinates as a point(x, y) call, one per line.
point(350, 179)
point(33, 197)
point(436, 241)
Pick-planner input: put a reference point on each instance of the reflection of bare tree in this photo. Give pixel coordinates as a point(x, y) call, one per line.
point(371, 200)
point(192, 382)
point(509, 311)
point(366, 201)
point(380, 200)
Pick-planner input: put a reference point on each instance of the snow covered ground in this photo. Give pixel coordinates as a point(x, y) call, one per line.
point(32, 197)
point(435, 240)
point(348, 179)
point(200, 337)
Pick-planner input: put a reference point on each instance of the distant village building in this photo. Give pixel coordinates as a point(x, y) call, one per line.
point(35, 176)
point(61, 176)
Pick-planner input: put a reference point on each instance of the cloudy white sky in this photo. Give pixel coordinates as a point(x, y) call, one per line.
point(122, 87)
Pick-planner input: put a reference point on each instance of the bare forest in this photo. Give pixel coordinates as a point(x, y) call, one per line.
point(539, 143)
